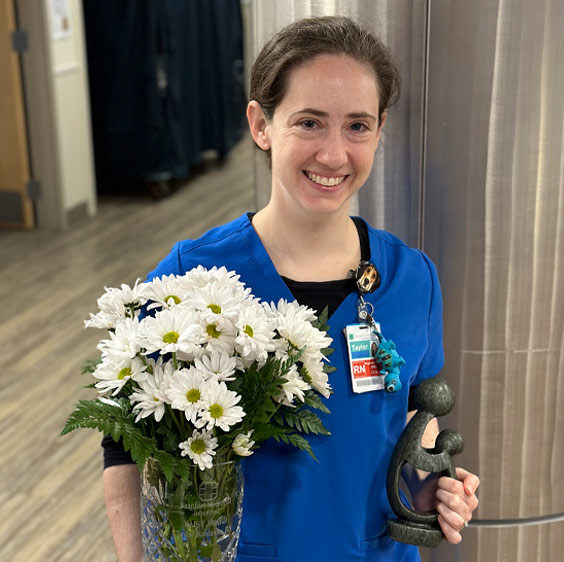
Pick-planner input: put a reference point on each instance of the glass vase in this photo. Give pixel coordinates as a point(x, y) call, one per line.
point(195, 518)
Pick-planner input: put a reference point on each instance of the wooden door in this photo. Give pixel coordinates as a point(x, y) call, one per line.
point(16, 209)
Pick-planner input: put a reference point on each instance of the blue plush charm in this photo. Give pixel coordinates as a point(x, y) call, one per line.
point(390, 363)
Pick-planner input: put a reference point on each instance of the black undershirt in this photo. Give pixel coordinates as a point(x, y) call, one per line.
point(315, 295)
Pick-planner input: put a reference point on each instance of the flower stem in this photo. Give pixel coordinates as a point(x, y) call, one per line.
point(180, 424)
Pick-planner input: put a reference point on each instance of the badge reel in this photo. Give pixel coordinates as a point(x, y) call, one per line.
point(374, 363)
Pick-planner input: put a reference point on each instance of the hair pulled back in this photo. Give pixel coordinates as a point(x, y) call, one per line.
point(307, 38)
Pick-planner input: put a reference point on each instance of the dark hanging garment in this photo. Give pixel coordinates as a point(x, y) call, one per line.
point(129, 124)
point(228, 40)
point(166, 84)
point(184, 92)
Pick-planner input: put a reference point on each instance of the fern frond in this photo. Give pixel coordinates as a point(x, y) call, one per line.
point(305, 421)
point(264, 431)
point(298, 441)
point(115, 421)
point(313, 400)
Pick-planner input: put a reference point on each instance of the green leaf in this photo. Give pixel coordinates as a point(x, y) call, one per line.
point(170, 437)
point(294, 358)
point(119, 422)
point(305, 421)
point(264, 431)
point(216, 554)
point(258, 388)
point(176, 519)
point(167, 463)
point(89, 366)
point(206, 551)
point(313, 400)
point(321, 322)
point(297, 441)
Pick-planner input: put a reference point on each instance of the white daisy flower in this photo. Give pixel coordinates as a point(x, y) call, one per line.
point(255, 337)
point(219, 333)
point(114, 376)
point(173, 330)
point(168, 291)
point(164, 372)
point(200, 447)
point(294, 387)
point(220, 409)
point(312, 371)
point(301, 334)
point(281, 349)
point(293, 308)
point(185, 392)
point(220, 366)
point(115, 305)
point(218, 300)
point(109, 401)
point(124, 342)
point(151, 397)
point(242, 444)
point(200, 277)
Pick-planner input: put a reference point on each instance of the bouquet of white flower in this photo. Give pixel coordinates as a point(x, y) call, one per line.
point(195, 366)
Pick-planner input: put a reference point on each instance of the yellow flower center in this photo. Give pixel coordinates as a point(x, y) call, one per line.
point(215, 308)
point(193, 395)
point(171, 337)
point(174, 298)
point(249, 331)
point(212, 331)
point(198, 446)
point(216, 411)
point(125, 372)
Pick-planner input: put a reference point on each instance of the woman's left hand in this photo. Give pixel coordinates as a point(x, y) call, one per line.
point(455, 502)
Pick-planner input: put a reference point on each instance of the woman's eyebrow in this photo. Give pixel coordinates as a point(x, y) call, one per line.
point(319, 113)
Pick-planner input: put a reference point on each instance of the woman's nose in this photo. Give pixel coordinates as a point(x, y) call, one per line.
point(332, 151)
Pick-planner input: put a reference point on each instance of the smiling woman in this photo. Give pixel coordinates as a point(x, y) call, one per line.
point(319, 94)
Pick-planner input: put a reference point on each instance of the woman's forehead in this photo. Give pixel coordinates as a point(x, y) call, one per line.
point(332, 80)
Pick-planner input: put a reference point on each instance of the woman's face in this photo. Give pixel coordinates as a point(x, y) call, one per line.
point(323, 134)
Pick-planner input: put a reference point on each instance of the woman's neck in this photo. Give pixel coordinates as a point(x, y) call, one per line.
point(310, 247)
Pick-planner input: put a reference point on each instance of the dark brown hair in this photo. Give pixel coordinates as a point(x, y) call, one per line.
point(307, 38)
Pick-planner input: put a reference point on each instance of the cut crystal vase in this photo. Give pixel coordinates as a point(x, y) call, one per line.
point(195, 518)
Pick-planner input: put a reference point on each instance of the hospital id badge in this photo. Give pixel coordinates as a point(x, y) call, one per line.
point(362, 343)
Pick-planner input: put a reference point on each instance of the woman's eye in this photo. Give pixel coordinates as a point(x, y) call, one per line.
point(359, 127)
point(308, 124)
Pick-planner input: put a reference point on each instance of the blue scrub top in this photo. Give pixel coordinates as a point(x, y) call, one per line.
point(296, 509)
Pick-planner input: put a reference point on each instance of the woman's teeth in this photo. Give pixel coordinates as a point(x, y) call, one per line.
point(322, 180)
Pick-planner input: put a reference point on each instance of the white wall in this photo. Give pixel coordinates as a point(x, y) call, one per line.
point(67, 59)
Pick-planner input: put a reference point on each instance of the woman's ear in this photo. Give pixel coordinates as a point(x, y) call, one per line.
point(258, 124)
point(383, 117)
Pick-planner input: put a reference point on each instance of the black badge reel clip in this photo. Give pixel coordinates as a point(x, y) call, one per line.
point(433, 398)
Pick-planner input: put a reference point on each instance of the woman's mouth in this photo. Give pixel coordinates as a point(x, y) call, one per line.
point(325, 181)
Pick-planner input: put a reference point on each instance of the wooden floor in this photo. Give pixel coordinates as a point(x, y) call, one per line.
point(51, 505)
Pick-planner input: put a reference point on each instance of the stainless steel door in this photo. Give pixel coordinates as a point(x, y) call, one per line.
point(494, 224)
